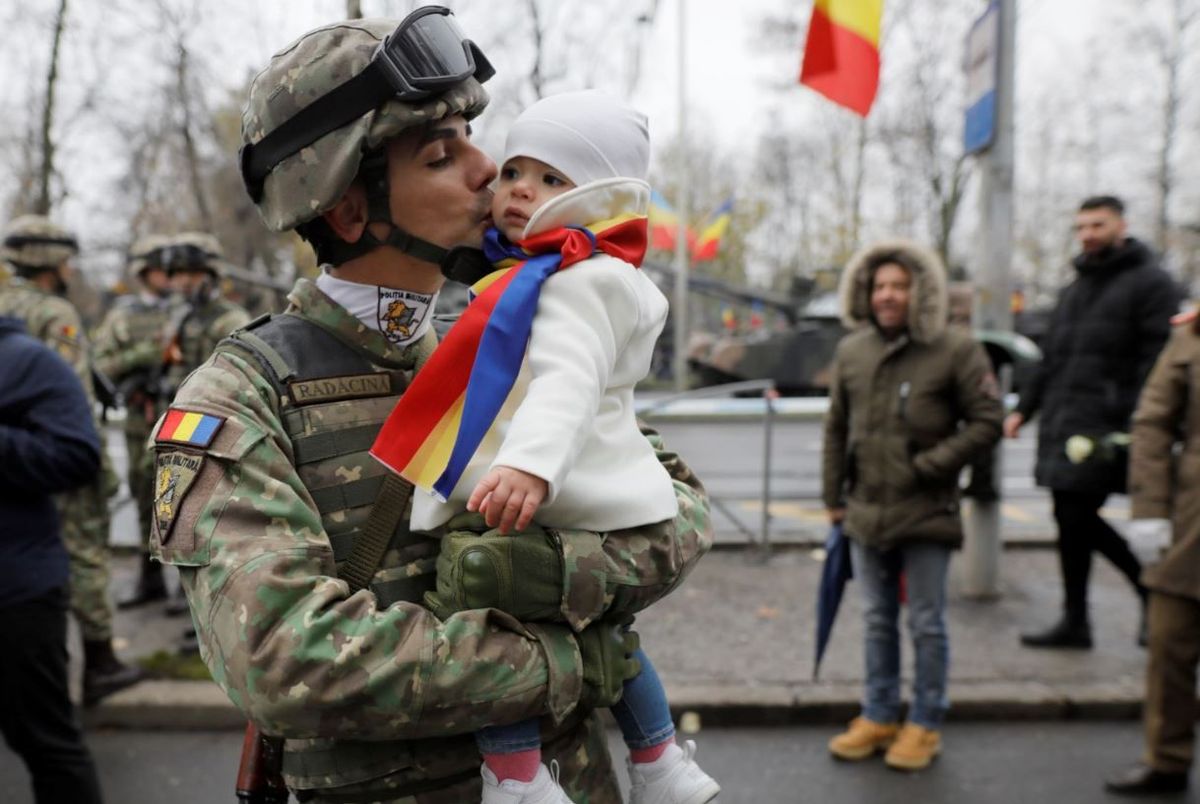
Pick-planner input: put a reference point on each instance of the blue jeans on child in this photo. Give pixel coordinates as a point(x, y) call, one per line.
point(924, 566)
point(642, 713)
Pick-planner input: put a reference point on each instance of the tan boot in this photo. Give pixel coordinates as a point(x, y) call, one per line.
point(863, 739)
point(914, 749)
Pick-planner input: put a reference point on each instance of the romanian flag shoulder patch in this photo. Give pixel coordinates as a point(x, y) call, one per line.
point(189, 428)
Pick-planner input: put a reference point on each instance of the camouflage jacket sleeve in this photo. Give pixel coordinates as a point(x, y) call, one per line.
point(117, 355)
point(62, 330)
point(283, 636)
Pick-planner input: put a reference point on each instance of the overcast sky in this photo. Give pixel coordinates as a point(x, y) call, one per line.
point(728, 69)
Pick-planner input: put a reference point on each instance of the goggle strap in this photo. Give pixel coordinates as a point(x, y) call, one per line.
point(349, 101)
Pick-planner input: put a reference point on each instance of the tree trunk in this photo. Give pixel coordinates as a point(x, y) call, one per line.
point(47, 169)
point(1171, 57)
point(535, 73)
point(189, 142)
point(354, 9)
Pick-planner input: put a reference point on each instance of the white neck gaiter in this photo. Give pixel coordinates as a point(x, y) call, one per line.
point(401, 316)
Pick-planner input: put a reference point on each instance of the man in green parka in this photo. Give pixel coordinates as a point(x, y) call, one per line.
point(911, 402)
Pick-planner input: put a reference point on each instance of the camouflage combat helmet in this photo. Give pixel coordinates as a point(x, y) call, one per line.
point(34, 243)
point(309, 181)
point(191, 251)
point(146, 253)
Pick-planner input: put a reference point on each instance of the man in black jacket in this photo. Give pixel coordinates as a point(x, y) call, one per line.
point(47, 445)
point(1105, 334)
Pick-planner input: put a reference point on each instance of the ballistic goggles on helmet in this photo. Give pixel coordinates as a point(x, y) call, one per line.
point(182, 257)
point(427, 53)
point(20, 241)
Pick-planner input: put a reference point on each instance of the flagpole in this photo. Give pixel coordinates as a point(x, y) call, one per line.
point(679, 306)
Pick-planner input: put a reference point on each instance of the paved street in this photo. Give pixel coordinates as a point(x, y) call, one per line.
point(984, 763)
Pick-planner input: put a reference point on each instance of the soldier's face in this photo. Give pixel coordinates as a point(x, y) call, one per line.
point(1097, 229)
point(439, 182)
point(156, 280)
point(188, 283)
point(890, 292)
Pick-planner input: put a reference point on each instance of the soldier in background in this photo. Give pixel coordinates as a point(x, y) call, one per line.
point(129, 351)
point(38, 252)
point(194, 262)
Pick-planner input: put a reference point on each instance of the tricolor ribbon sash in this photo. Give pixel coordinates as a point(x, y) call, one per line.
point(439, 422)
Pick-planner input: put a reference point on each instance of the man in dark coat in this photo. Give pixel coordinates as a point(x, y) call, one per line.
point(1105, 334)
point(47, 445)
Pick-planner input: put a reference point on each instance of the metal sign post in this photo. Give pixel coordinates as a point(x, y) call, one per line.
point(989, 133)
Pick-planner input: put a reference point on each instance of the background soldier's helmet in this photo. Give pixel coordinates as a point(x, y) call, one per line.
point(192, 251)
point(146, 252)
point(33, 243)
point(309, 182)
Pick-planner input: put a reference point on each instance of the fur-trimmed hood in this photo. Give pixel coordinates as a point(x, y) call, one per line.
point(928, 306)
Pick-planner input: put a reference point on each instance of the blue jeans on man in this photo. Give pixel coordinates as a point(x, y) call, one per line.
point(878, 574)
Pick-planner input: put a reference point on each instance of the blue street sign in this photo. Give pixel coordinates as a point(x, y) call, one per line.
point(982, 66)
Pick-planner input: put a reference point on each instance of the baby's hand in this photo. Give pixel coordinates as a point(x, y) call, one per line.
point(508, 497)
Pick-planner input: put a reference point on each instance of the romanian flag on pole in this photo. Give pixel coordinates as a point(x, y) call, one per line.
point(439, 422)
point(664, 223)
point(709, 240)
point(841, 57)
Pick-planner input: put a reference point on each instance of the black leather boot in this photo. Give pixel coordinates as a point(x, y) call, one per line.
point(150, 586)
point(1143, 780)
point(103, 672)
point(1070, 633)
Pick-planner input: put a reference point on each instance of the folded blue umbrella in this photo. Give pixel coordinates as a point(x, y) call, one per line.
point(834, 574)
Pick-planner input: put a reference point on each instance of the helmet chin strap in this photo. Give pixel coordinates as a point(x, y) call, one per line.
point(463, 264)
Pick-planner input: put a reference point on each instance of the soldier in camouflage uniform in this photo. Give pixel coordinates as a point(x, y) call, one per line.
point(129, 351)
point(38, 252)
point(194, 261)
point(267, 499)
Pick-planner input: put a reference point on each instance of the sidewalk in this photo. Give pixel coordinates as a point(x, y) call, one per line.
point(735, 645)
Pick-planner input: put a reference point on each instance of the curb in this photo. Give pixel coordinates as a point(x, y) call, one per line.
point(202, 706)
point(838, 702)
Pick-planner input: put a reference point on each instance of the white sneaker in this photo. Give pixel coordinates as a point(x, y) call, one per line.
point(544, 789)
point(673, 778)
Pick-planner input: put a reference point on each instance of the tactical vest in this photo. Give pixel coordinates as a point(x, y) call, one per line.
point(142, 323)
point(196, 339)
point(334, 398)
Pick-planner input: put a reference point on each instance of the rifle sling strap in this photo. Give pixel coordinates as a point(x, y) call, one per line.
point(381, 523)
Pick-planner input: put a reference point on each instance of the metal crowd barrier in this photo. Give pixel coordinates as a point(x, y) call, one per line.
point(658, 409)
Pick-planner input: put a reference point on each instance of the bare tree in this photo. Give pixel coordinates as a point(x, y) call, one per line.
point(46, 172)
point(184, 95)
point(354, 9)
point(1171, 49)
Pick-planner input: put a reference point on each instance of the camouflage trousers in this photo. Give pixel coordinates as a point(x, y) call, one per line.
point(140, 475)
point(582, 755)
point(85, 526)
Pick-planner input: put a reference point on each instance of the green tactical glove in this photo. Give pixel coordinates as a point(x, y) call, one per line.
point(607, 650)
point(519, 573)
